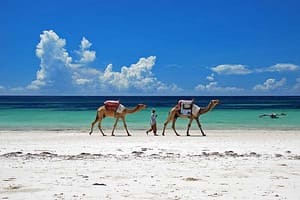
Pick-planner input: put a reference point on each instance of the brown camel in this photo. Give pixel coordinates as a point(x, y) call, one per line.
point(174, 114)
point(103, 112)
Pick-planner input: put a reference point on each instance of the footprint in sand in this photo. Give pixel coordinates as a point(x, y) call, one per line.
point(191, 179)
point(215, 195)
point(10, 179)
point(277, 155)
point(13, 187)
point(100, 184)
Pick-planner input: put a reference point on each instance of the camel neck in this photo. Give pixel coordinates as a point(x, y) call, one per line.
point(208, 108)
point(135, 109)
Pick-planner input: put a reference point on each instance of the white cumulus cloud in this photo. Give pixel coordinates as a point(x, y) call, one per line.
point(138, 76)
point(59, 73)
point(214, 87)
point(86, 54)
point(283, 67)
point(270, 84)
point(55, 61)
point(231, 69)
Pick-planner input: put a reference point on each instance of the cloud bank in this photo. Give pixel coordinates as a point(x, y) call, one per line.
point(238, 69)
point(64, 72)
point(59, 72)
point(269, 85)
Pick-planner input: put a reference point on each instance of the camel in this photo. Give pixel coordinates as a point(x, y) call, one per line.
point(103, 112)
point(174, 114)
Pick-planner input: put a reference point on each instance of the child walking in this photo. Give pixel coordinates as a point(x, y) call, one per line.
point(153, 123)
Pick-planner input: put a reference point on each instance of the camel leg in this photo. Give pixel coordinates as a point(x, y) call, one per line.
point(92, 127)
point(170, 117)
point(100, 127)
point(116, 122)
point(173, 126)
point(198, 122)
point(165, 125)
point(189, 126)
point(125, 126)
point(98, 119)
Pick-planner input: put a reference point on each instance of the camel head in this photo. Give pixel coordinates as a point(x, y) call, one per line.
point(141, 106)
point(215, 101)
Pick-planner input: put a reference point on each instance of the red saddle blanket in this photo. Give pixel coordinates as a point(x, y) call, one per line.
point(111, 105)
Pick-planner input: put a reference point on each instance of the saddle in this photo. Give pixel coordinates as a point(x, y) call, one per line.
point(114, 106)
point(187, 107)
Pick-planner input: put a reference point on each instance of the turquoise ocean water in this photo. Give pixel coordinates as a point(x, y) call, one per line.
point(67, 112)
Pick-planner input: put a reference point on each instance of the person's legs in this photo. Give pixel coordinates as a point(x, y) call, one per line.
point(154, 128)
point(149, 130)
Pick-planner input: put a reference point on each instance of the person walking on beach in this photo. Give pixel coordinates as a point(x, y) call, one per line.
point(153, 123)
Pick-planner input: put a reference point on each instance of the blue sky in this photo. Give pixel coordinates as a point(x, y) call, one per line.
point(96, 47)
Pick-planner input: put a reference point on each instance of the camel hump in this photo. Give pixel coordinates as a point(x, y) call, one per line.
point(111, 105)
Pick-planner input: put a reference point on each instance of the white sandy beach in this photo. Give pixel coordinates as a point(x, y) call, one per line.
point(227, 164)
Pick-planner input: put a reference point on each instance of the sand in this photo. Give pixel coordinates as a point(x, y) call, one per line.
point(226, 164)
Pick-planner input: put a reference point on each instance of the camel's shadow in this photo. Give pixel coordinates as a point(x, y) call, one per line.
point(194, 136)
point(120, 135)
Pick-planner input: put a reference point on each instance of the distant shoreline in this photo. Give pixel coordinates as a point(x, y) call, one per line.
point(181, 131)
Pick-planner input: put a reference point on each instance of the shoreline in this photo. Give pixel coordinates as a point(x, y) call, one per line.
point(226, 164)
point(120, 129)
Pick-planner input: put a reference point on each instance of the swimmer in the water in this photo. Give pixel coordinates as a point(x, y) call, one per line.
point(272, 115)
